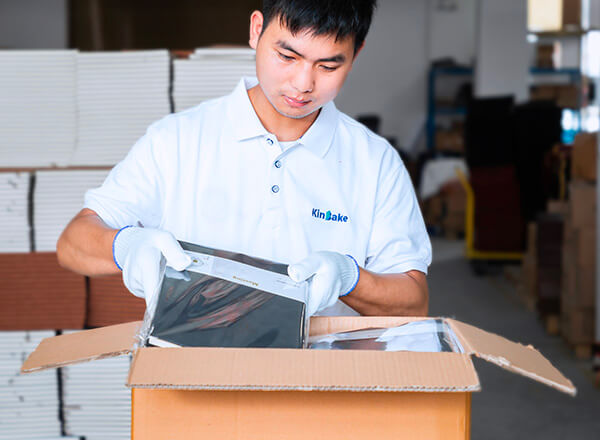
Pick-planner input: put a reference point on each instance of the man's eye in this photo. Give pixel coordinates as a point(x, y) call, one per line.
point(328, 68)
point(285, 57)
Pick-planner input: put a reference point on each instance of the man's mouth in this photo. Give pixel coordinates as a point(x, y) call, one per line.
point(295, 102)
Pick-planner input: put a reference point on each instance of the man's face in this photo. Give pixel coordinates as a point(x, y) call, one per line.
point(300, 73)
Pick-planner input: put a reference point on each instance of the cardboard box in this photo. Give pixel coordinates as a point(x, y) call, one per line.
point(451, 141)
point(543, 92)
point(577, 324)
point(433, 210)
point(583, 157)
point(566, 95)
point(545, 55)
point(229, 393)
point(586, 286)
point(571, 15)
point(582, 204)
point(38, 294)
point(585, 247)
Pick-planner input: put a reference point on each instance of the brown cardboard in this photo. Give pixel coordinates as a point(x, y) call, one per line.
point(582, 205)
point(571, 14)
point(518, 358)
point(221, 392)
point(82, 346)
point(449, 141)
point(567, 96)
point(248, 415)
point(38, 294)
point(577, 324)
point(583, 157)
point(302, 369)
point(109, 303)
point(586, 285)
point(586, 247)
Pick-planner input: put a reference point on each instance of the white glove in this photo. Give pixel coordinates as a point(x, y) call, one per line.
point(143, 254)
point(333, 275)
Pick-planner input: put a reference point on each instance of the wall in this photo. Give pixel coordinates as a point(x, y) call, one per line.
point(502, 50)
point(33, 24)
point(452, 32)
point(389, 75)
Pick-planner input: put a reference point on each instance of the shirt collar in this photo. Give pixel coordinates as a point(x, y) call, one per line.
point(246, 125)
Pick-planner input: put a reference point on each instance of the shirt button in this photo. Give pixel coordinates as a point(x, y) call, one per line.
point(269, 141)
point(275, 188)
point(277, 164)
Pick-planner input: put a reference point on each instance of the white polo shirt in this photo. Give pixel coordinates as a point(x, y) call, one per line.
point(213, 175)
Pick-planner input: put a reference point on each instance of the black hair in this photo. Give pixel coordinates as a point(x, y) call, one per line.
point(341, 18)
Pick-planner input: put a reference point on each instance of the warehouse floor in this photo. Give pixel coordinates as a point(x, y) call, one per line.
point(511, 406)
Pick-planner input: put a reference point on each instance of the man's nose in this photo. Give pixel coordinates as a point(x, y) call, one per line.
point(304, 80)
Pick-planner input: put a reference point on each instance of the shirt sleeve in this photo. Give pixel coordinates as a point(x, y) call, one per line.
point(399, 241)
point(132, 193)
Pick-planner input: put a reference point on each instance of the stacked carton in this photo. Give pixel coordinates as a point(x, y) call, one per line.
point(579, 248)
point(29, 406)
point(38, 107)
point(209, 73)
point(38, 294)
point(97, 404)
point(451, 140)
point(445, 210)
point(549, 255)
point(119, 94)
point(579, 265)
point(109, 302)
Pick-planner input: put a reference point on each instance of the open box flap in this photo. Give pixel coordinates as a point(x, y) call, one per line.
point(86, 345)
point(294, 369)
point(512, 356)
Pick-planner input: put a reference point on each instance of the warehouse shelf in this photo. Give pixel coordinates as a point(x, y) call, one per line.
point(434, 110)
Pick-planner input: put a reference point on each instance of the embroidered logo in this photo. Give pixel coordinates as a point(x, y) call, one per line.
point(328, 216)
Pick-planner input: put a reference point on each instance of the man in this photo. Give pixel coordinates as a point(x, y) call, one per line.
point(273, 170)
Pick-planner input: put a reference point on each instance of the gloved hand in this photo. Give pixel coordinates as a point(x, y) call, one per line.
point(333, 275)
point(143, 254)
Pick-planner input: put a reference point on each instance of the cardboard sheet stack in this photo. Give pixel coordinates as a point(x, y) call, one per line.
point(38, 294)
point(97, 404)
point(119, 94)
point(58, 197)
point(109, 302)
point(14, 191)
point(37, 108)
point(209, 73)
point(29, 406)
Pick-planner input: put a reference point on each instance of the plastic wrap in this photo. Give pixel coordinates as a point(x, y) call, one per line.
point(226, 299)
point(430, 335)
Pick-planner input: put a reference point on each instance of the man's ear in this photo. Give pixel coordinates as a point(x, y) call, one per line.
point(256, 27)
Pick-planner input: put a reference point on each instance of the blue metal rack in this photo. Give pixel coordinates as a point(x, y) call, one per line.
point(433, 110)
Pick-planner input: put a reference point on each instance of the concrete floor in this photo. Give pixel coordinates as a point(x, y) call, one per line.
point(510, 406)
